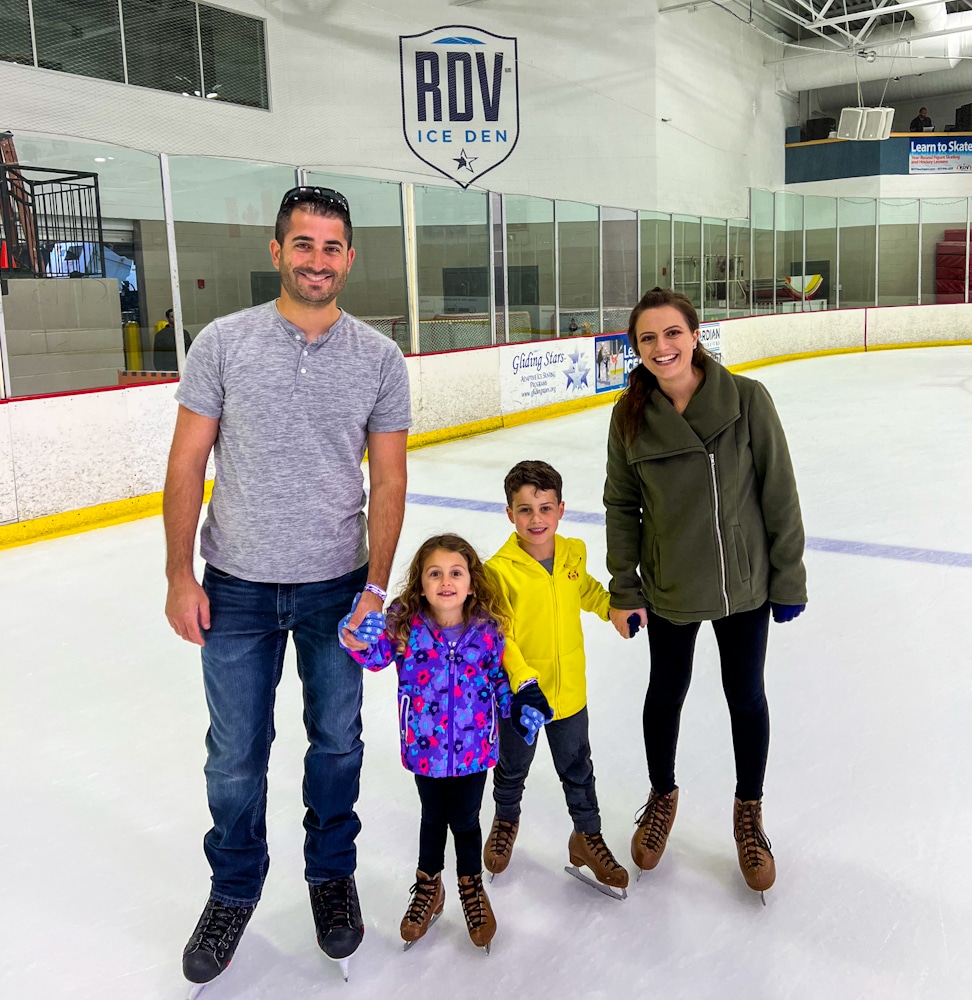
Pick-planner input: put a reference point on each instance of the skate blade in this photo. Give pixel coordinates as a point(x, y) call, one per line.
point(594, 884)
point(195, 990)
point(345, 964)
point(408, 944)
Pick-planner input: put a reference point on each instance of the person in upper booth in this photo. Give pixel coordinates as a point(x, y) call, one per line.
point(921, 123)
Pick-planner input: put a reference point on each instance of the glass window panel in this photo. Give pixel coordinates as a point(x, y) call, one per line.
point(793, 289)
point(579, 250)
point(687, 263)
point(944, 249)
point(717, 269)
point(619, 235)
point(234, 57)
point(656, 250)
point(764, 275)
point(821, 242)
point(531, 270)
point(224, 217)
point(79, 36)
point(65, 335)
point(739, 267)
point(857, 235)
point(162, 45)
point(499, 265)
point(15, 32)
point(375, 291)
point(452, 257)
point(897, 251)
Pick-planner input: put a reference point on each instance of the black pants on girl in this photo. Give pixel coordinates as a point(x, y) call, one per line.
point(742, 652)
point(451, 804)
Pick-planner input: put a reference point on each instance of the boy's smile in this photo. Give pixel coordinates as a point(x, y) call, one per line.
point(535, 514)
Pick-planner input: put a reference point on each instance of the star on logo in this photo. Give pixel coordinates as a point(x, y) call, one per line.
point(465, 161)
point(578, 371)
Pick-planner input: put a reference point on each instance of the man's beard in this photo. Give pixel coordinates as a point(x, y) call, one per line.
point(291, 283)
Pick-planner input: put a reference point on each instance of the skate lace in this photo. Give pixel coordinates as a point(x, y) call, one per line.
point(654, 821)
point(471, 895)
point(423, 896)
point(501, 838)
point(750, 835)
point(220, 926)
point(331, 902)
point(600, 850)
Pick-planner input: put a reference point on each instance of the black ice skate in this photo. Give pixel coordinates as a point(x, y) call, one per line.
point(337, 918)
point(213, 943)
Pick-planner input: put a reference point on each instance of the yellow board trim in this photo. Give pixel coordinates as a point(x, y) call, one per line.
point(778, 359)
point(73, 522)
point(119, 511)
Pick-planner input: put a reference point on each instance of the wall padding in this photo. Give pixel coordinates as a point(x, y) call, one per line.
point(754, 338)
point(931, 324)
point(8, 495)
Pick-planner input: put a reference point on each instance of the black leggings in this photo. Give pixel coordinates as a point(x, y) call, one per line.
point(451, 804)
point(742, 652)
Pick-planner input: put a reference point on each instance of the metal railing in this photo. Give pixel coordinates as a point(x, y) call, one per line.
point(50, 223)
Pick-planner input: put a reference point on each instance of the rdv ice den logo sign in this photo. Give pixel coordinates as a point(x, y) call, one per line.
point(460, 99)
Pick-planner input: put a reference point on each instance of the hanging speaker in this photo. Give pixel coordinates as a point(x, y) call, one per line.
point(865, 123)
point(851, 121)
point(877, 123)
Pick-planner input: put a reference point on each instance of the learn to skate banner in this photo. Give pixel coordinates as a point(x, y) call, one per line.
point(551, 371)
point(613, 359)
point(940, 156)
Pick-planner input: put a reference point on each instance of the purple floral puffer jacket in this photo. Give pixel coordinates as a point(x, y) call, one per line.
point(450, 698)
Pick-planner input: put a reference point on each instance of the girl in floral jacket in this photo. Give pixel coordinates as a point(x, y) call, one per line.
point(444, 634)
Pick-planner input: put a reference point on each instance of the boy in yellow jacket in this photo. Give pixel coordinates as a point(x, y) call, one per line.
point(545, 585)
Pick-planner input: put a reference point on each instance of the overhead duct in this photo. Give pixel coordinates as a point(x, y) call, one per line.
point(886, 52)
point(907, 90)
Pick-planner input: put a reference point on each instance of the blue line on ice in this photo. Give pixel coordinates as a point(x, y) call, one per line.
point(902, 553)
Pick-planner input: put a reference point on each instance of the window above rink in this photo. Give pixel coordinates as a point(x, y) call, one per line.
point(179, 46)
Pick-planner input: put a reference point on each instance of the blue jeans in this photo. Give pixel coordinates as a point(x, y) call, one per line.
point(570, 748)
point(242, 663)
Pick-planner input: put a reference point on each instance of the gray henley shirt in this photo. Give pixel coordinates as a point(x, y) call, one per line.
point(288, 502)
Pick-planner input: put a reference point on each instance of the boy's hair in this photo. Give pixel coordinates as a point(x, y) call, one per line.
point(539, 475)
point(482, 603)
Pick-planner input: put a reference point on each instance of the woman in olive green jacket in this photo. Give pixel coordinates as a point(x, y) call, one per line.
point(703, 524)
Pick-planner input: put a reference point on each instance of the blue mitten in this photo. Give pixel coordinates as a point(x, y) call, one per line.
point(634, 623)
point(532, 720)
point(369, 631)
point(529, 696)
point(786, 612)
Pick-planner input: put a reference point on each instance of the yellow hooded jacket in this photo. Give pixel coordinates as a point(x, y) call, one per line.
point(544, 639)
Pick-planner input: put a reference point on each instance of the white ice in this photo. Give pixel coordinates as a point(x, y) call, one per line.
point(868, 797)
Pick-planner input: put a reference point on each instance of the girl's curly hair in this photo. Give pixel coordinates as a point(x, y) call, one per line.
point(483, 601)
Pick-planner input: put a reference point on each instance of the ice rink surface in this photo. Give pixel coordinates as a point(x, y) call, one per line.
point(868, 797)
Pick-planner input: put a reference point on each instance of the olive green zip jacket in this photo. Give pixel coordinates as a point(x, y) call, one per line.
point(703, 518)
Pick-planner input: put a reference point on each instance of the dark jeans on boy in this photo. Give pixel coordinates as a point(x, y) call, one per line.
point(742, 652)
point(570, 748)
point(451, 804)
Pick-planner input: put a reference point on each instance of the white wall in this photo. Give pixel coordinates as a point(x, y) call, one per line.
point(728, 123)
point(67, 452)
point(594, 82)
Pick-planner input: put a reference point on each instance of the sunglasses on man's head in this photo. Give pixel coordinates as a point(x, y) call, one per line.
point(318, 195)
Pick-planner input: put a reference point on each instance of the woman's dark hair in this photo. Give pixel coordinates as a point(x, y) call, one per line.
point(641, 383)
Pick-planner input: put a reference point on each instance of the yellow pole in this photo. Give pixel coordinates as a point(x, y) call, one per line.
point(133, 346)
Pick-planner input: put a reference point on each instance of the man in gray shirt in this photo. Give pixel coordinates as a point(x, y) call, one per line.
point(288, 395)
